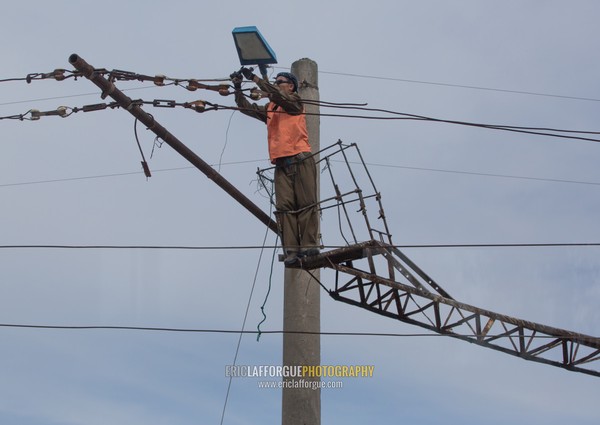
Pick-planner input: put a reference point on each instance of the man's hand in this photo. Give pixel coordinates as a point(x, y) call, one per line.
point(236, 79)
point(247, 73)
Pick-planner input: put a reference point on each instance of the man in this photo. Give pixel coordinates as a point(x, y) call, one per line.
point(289, 150)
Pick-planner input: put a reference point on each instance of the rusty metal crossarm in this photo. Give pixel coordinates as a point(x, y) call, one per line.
point(519, 338)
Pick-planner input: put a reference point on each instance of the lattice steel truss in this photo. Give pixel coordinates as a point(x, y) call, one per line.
point(408, 294)
point(373, 274)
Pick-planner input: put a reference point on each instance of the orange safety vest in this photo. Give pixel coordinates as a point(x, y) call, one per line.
point(287, 134)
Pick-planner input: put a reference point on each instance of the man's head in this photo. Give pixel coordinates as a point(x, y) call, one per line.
point(287, 81)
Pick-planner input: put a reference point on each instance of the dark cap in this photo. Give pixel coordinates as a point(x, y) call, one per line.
point(290, 77)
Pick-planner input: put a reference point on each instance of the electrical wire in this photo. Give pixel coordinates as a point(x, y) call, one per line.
point(248, 247)
point(42, 99)
point(201, 107)
point(473, 173)
point(101, 176)
point(59, 74)
point(402, 116)
point(159, 80)
point(373, 164)
point(262, 307)
point(237, 349)
point(236, 332)
point(226, 141)
point(461, 86)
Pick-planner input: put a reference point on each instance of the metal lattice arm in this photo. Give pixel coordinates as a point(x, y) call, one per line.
point(412, 302)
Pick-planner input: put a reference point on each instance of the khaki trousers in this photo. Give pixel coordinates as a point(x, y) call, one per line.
point(295, 203)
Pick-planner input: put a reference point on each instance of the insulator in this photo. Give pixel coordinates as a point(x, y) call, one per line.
point(198, 105)
point(62, 111)
point(159, 80)
point(192, 85)
point(59, 74)
point(224, 91)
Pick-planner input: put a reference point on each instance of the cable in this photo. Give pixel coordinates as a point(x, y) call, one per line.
point(262, 307)
point(234, 247)
point(159, 80)
point(67, 97)
point(397, 116)
point(472, 173)
point(235, 332)
point(226, 141)
point(121, 174)
point(145, 166)
point(200, 107)
point(507, 176)
point(237, 349)
point(462, 86)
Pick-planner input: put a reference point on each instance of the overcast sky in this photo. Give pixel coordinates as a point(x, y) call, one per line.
point(78, 181)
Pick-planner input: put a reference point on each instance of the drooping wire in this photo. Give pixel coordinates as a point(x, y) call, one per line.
point(460, 86)
point(402, 116)
point(271, 194)
point(262, 307)
point(204, 106)
point(226, 141)
point(145, 166)
point(237, 349)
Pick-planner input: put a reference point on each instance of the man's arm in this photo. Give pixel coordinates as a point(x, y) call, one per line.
point(247, 108)
point(291, 103)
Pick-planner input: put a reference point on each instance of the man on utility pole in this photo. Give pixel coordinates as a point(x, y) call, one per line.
point(301, 396)
point(290, 152)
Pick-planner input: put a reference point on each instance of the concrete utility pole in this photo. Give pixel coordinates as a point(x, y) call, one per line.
point(301, 295)
point(301, 310)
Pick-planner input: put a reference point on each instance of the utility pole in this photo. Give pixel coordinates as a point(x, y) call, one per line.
point(301, 296)
point(301, 310)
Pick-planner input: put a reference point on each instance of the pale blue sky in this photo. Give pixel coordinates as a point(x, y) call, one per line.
point(95, 377)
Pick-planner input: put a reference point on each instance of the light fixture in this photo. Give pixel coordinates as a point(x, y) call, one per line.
point(253, 49)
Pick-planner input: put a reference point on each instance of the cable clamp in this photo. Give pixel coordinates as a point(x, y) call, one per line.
point(162, 103)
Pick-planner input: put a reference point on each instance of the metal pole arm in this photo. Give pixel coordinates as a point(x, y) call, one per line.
point(109, 89)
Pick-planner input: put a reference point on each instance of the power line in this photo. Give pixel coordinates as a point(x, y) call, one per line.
point(65, 97)
point(248, 247)
point(158, 80)
point(473, 173)
point(237, 350)
point(238, 332)
point(462, 86)
point(201, 106)
point(194, 83)
point(406, 167)
point(101, 176)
